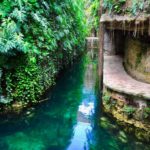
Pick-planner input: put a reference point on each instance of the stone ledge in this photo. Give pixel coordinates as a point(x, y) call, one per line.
point(116, 78)
point(127, 23)
point(92, 42)
point(125, 18)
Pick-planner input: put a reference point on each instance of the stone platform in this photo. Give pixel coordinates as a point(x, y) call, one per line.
point(116, 79)
point(92, 42)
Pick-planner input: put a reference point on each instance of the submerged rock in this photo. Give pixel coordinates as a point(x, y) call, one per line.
point(17, 105)
point(106, 124)
point(122, 137)
point(28, 112)
point(122, 134)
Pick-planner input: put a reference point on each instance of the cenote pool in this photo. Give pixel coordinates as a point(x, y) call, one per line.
point(69, 120)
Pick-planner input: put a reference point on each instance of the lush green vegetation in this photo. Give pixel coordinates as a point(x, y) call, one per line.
point(114, 5)
point(129, 110)
point(37, 39)
point(118, 6)
point(95, 6)
point(146, 112)
point(107, 98)
point(92, 12)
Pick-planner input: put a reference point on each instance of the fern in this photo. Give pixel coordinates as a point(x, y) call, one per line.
point(40, 19)
point(18, 15)
point(10, 37)
point(5, 8)
point(137, 5)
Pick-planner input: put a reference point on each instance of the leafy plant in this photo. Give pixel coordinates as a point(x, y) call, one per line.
point(129, 110)
point(147, 112)
point(37, 39)
point(106, 98)
point(137, 5)
point(94, 12)
point(114, 5)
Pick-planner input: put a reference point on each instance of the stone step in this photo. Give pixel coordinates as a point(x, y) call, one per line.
point(117, 79)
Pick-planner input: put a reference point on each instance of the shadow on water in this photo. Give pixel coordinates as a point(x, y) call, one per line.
point(69, 120)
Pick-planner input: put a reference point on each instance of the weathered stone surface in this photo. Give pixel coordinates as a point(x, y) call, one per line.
point(137, 59)
point(92, 45)
point(136, 127)
point(109, 43)
point(116, 78)
point(92, 42)
point(134, 123)
point(138, 23)
point(127, 18)
point(126, 96)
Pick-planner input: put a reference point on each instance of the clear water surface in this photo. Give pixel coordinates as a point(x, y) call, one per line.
point(69, 120)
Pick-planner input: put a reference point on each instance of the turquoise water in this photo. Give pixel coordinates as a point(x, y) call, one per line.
point(69, 120)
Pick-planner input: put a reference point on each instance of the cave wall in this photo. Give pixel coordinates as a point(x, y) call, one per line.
point(137, 58)
point(113, 42)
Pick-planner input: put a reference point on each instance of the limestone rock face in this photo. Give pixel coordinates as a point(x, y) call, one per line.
point(137, 59)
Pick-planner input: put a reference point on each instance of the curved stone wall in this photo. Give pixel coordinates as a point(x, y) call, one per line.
point(137, 59)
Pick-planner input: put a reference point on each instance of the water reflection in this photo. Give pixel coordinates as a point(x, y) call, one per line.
point(86, 109)
point(83, 129)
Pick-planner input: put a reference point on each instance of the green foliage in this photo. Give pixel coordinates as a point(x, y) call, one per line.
point(129, 110)
point(10, 37)
point(31, 79)
point(95, 13)
point(28, 82)
point(117, 6)
point(92, 12)
point(38, 38)
point(108, 4)
point(52, 24)
point(106, 98)
point(147, 112)
point(137, 5)
point(114, 5)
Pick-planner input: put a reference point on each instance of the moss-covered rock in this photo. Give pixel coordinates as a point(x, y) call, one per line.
point(128, 117)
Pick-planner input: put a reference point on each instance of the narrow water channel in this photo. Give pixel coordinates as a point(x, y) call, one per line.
point(69, 120)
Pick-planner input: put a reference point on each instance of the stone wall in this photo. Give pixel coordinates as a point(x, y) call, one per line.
point(137, 59)
point(113, 42)
point(109, 43)
point(92, 45)
point(131, 112)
